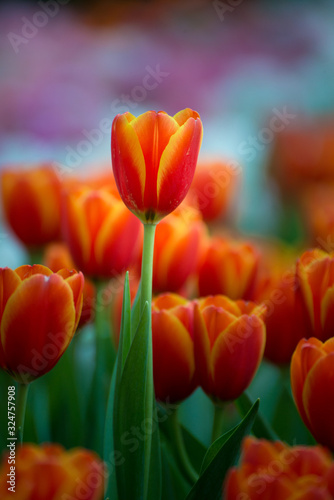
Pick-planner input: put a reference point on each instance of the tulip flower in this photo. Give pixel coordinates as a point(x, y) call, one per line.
point(315, 273)
point(275, 471)
point(312, 382)
point(31, 204)
point(229, 339)
point(299, 304)
point(214, 188)
point(303, 155)
point(103, 237)
point(57, 256)
point(318, 214)
point(49, 472)
point(39, 313)
point(154, 158)
point(228, 267)
point(173, 348)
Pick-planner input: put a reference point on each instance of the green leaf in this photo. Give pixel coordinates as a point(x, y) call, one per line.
point(221, 455)
point(125, 333)
point(135, 311)
point(261, 427)
point(136, 437)
point(108, 450)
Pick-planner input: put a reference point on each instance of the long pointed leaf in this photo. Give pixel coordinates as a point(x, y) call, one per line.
point(221, 455)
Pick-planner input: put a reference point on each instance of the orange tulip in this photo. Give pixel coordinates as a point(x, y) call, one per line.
point(214, 188)
point(57, 256)
point(49, 472)
point(102, 235)
point(228, 267)
point(229, 339)
point(173, 348)
point(177, 247)
point(312, 382)
point(318, 213)
point(275, 471)
point(154, 158)
point(315, 273)
point(299, 305)
point(303, 154)
point(39, 313)
point(31, 203)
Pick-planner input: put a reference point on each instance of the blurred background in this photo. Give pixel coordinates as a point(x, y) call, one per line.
point(254, 70)
point(260, 74)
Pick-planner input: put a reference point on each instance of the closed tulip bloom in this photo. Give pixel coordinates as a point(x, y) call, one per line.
point(49, 472)
point(39, 313)
point(312, 382)
point(154, 158)
point(57, 256)
point(214, 188)
point(103, 237)
point(173, 348)
point(31, 204)
point(228, 267)
point(229, 339)
point(275, 471)
point(315, 274)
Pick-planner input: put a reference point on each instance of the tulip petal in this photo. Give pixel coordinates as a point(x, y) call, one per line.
point(240, 345)
point(327, 314)
point(37, 325)
point(318, 402)
point(172, 342)
point(299, 370)
point(76, 282)
point(202, 349)
point(177, 165)
point(182, 116)
point(128, 163)
point(9, 281)
point(26, 271)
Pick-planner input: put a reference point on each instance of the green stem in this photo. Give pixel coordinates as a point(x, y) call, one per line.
point(147, 266)
point(146, 296)
point(217, 423)
point(182, 452)
point(22, 393)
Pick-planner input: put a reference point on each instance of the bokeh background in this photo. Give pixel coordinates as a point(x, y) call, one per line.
point(68, 67)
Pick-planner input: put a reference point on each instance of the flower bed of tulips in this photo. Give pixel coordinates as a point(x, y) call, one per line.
point(150, 351)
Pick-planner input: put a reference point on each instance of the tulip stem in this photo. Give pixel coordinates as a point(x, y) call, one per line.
point(217, 423)
point(22, 394)
point(147, 266)
point(182, 452)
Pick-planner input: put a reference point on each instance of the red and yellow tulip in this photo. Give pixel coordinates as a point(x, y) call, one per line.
point(103, 237)
point(315, 274)
point(214, 188)
point(49, 472)
point(39, 313)
point(229, 339)
point(228, 267)
point(312, 382)
point(154, 158)
point(31, 203)
point(173, 348)
point(275, 471)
